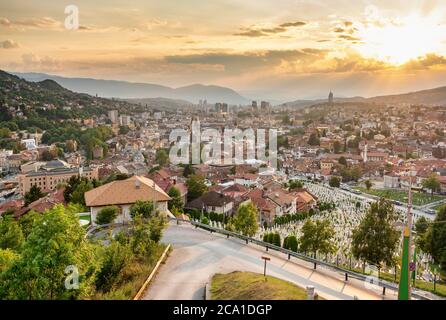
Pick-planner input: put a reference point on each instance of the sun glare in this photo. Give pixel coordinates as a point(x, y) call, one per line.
point(400, 41)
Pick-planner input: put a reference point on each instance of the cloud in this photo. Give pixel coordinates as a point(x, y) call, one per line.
point(43, 22)
point(348, 37)
point(5, 22)
point(262, 31)
point(9, 44)
point(425, 62)
point(32, 61)
point(251, 33)
point(242, 62)
point(293, 24)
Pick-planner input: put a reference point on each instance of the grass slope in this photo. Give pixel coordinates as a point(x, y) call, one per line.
point(252, 286)
point(419, 198)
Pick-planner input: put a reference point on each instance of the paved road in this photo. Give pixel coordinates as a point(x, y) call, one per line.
point(198, 254)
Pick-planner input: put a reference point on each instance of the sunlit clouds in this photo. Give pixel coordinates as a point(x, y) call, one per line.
point(252, 46)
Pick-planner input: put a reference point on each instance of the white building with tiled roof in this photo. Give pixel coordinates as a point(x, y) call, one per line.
point(123, 194)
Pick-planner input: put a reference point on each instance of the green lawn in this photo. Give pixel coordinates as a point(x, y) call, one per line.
point(440, 288)
point(86, 218)
point(252, 286)
point(436, 208)
point(420, 284)
point(419, 198)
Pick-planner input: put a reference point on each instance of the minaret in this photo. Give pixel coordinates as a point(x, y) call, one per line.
point(364, 154)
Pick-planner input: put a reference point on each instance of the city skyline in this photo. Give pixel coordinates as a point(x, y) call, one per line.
point(281, 51)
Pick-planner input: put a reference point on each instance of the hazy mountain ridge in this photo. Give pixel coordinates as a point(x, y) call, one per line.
point(161, 103)
point(435, 96)
point(133, 90)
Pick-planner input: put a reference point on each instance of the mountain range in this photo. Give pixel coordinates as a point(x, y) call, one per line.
point(132, 90)
point(148, 93)
point(436, 96)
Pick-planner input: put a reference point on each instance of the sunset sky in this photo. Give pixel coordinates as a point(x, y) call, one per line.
point(268, 49)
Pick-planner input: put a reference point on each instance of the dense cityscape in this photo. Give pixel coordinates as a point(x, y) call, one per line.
point(198, 193)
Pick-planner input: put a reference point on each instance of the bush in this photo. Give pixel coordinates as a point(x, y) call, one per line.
point(334, 182)
point(116, 258)
point(270, 237)
point(107, 215)
point(276, 239)
point(204, 220)
point(290, 243)
point(146, 209)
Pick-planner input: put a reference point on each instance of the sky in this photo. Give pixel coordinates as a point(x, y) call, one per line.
point(279, 50)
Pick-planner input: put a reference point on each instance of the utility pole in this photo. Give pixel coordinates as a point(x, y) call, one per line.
point(404, 291)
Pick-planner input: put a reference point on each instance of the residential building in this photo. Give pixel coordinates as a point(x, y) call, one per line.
point(52, 174)
point(123, 194)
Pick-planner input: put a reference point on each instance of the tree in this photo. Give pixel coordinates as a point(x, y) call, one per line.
point(72, 187)
point(290, 242)
point(140, 237)
point(27, 221)
point(107, 215)
point(7, 258)
point(245, 220)
point(78, 194)
point(375, 239)
point(156, 227)
point(317, 237)
point(124, 129)
point(368, 184)
point(337, 147)
point(49, 155)
point(5, 133)
point(145, 209)
point(422, 239)
point(432, 183)
point(34, 193)
point(196, 186)
point(276, 239)
point(436, 238)
point(177, 200)
point(57, 241)
point(295, 184)
point(161, 157)
point(342, 161)
point(313, 140)
point(356, 173)
point(188, 170)
point(334, 182)
point(116, 257)
point(11, 236)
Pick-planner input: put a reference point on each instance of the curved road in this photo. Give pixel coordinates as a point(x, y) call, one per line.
point(198, 254)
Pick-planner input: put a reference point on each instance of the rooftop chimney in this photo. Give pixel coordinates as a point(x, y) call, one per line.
point(137, 184)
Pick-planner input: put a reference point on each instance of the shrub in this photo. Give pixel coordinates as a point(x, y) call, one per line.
point(276, 239)
point(116, 258)
point(107, 215)
point(204, 220)
point(290, 243)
